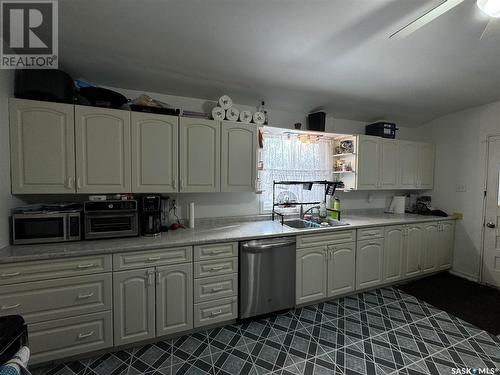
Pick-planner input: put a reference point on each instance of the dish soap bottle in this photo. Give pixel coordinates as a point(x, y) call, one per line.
point(322, 210)
point(336, 209)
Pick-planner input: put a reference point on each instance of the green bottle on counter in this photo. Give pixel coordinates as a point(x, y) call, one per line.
point(336, 209)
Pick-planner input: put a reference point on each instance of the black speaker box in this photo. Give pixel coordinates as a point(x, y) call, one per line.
point(316, 121)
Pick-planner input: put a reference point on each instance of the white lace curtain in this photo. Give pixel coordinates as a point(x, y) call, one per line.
point(288, 157)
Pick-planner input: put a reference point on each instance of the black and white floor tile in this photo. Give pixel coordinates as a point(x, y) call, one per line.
point(383, 331)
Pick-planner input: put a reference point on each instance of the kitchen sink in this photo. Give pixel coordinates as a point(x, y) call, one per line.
point(306, 224)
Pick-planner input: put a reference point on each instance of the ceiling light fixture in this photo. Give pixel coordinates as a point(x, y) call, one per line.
point(490, 7)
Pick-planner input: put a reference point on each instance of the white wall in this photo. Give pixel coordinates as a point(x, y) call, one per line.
point(460, 159)
point(6, 200)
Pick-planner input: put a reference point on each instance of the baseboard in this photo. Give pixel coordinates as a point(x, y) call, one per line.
point(465, 276)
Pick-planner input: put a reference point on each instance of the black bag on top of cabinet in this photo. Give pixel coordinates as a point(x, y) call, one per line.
point(382, 129)
point(100, 97)
point(44, 84)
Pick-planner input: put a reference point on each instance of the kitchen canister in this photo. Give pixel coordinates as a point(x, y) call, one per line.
point(218, 113)
point(232, 114)
point(246, 116)
point(225, 102)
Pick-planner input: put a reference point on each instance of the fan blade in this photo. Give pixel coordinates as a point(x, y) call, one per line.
point(492, 29)
point(426, 18)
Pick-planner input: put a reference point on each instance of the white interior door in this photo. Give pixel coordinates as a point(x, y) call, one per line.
point(491, 259)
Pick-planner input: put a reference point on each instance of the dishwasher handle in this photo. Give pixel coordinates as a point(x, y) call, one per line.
point(267, 244)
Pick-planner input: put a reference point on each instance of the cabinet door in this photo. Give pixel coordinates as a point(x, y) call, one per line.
point(341, 268)
point(154, 153)
point(174, 299)
point(199, 155)
point(311, 274)
point(389, 164)
point(430, 247)
point(446, 244)
point(102, 150)
point(133, 305)
point(408, 165)
point(238, 154)
point(42, 147)
point(425, 166)
point(368, 163)
point(413, 250)
point(393, 252)
point(369, 263)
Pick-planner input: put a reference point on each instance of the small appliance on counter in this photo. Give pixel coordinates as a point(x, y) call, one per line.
point(151, 215)
point(46, 223)
point(110, 219)
point(398, 205)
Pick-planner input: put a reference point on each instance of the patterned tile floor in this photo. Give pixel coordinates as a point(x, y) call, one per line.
point(383, 331)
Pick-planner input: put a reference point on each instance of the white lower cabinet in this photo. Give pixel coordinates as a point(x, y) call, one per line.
point(394, 247)
point(446, 243)
point(134, 305)
point(369, 263)
point(327, 270)
point(311, 274)
point(413, 250)
point(174, 299)
point(430, 247)
point(341, 269)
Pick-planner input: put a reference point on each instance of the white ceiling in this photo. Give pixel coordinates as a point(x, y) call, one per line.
point(297, 55)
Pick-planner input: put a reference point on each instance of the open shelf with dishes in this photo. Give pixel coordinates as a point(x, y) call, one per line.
point(345, 161)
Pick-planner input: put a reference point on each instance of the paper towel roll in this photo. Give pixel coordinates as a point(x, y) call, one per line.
point(191, 215)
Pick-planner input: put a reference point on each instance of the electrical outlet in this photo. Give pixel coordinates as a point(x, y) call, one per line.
point(461, 188)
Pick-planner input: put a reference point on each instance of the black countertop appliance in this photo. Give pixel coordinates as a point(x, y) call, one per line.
point(150, 215)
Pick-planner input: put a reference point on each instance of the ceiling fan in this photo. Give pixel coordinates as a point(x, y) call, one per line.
point(490, 7)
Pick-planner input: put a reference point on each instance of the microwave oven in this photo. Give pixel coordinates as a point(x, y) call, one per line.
point(45, 227)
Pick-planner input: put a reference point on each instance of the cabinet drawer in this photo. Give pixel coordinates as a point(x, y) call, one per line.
point(210, 288)
point(368, 233)
point(149, 258)
point(321, 239)
point(59, 298)
point(12, 273)
point(215, 267)
point(215, 311)
point(67, 337)
point(220, 250)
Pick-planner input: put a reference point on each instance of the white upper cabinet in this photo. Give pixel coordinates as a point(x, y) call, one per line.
point(42, 147)
point(408, 165)
point(389, 164)
point(199, 157)
point(238, 156)
point(368, 163)
point(426, 155)
point(154, 153)
point(103, 162)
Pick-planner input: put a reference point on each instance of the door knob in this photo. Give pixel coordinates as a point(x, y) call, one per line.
point(490, 224)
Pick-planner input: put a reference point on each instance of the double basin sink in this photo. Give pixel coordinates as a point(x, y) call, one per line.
point(306, 224)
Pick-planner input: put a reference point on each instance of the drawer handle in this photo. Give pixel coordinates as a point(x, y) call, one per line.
point(11, 306)
point(217, 268)
point(153, 259)
point(85, 335)
point(215, 313)
point(85, 296)
point(89, 265)
point(10, 274)
point(217, 289)
point(216, 252)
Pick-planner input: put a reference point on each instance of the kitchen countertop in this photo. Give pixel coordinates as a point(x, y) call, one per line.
point(236, 231)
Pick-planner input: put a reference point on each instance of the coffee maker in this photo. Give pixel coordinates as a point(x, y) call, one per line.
point(150, 219)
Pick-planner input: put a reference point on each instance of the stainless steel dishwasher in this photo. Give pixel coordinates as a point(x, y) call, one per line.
point(266, 276)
